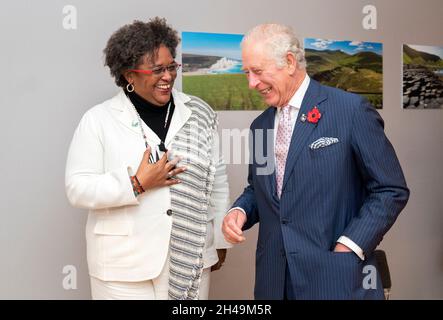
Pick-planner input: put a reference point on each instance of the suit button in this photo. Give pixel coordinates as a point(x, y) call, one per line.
point(284, 221)
point(169, 212)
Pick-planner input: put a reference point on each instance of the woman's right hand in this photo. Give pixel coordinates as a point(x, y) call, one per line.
point(159, 174)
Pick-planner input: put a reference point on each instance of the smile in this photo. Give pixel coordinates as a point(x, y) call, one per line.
point(163, 86)
point(265, 91)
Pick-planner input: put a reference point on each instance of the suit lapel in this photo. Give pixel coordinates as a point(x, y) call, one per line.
point(122, 110)
point(303, 130)
point(269, 147)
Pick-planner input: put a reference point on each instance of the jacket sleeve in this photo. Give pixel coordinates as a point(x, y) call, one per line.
point(385, 184)
point(86, 182)
point(247, 200)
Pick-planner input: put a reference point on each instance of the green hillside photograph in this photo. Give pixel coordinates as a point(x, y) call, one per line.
point(212, 71)
point(353, 66)
point(422, 77)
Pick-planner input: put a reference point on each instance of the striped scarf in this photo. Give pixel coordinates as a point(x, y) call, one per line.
point(190, 201)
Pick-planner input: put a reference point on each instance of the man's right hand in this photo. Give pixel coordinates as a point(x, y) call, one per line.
point(232, 226)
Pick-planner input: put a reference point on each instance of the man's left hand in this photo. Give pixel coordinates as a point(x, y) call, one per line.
point(341, 248)
point(221, 258)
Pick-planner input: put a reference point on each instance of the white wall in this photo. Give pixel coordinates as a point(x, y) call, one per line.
point(51, 76)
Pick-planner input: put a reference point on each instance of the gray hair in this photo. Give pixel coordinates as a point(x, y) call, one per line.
point(280, 40)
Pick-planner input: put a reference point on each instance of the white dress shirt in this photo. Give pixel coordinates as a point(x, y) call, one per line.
point(294, 104)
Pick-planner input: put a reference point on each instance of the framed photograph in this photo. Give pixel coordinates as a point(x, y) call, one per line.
point(422, 77)
point(212, 71)
point(353, 66)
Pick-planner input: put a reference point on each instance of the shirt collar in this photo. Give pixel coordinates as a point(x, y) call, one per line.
point(298, 96)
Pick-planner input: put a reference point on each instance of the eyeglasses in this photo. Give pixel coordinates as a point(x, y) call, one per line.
point(159, 71)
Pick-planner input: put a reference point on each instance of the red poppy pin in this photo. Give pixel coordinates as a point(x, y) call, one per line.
point(314, 115)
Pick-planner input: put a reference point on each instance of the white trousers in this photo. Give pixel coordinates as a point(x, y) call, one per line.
point(154, 289)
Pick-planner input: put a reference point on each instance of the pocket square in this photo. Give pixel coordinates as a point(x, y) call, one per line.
point(322, 142)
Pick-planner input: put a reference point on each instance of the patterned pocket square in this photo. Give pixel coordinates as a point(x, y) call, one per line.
point(322, 142)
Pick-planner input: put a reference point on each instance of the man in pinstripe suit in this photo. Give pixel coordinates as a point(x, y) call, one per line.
point(337, 186)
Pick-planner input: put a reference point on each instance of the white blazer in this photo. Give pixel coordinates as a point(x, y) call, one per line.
point(128, 237)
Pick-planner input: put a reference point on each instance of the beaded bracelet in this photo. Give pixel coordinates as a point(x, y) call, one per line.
point(136, 186)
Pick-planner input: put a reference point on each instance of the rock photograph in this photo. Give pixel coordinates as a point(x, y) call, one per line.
point(422, 77)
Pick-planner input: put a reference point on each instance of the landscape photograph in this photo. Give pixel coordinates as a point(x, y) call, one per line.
point(422, 77)
point(212, 71)
point(353, 66)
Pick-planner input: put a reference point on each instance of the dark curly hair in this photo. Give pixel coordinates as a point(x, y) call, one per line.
point(127, 46)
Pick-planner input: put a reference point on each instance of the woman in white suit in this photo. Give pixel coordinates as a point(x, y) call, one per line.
point(146, 165)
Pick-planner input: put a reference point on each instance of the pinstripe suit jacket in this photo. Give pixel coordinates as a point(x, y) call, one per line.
point(354, 188)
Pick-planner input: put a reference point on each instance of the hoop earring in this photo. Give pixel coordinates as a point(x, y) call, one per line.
point(129, 87)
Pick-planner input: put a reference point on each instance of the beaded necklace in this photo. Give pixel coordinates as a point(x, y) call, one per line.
point(162, 144)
